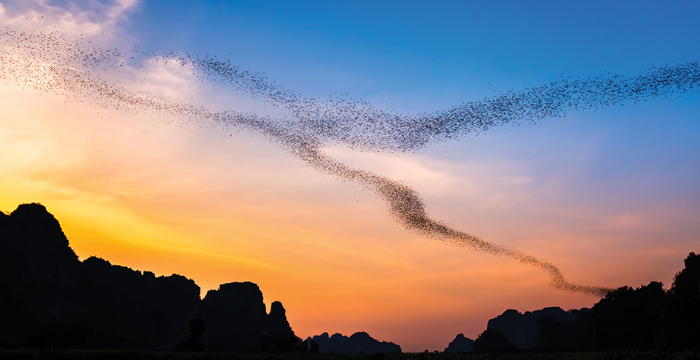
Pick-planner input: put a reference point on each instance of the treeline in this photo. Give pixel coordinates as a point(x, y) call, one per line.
point(644, 319)
point(649, 317)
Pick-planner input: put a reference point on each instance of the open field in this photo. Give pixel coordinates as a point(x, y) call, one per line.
point(163, 355)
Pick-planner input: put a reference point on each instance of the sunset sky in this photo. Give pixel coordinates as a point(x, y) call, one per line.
point(611, 196)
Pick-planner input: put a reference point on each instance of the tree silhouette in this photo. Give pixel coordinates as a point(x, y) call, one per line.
point(313, 347)
point(157, 317)
point(630, 318)
point(197, 328)
point(682, 328)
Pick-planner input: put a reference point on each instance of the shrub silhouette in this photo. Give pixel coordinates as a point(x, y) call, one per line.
point(197, 328)
point(313, 346)
point(630, 318)
point(282, 345)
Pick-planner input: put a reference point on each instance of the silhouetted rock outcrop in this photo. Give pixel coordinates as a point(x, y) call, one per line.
point(38, 272)
point(237, 313)
point(520, 329)
point(492, 340)
point(238, 310)
point(547, 329)
point(550, 327)
point(570, 331)
point(277, 321)
point(280, 337)
point(47, 294)
point(359, 342)
point(121, 302)
point(460, 344)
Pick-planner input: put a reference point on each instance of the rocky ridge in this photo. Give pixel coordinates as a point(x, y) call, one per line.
point(48, 295)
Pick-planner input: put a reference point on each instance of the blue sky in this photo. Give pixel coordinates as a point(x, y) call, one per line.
point(414, 56)
point(416, 50)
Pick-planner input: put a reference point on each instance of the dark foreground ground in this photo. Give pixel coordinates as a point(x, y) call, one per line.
point(162, 355)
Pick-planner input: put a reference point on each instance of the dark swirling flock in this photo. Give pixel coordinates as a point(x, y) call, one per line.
point(70, 68)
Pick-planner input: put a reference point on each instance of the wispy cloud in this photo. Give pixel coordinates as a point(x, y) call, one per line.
point(94, 20)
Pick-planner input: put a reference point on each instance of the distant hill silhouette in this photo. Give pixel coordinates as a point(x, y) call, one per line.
point(48, 296)
point(460, 344)
point(492, 340)
point(567, 331)
point(550, 328)
point(359, 342)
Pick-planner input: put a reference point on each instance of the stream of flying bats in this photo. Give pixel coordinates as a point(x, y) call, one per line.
point(70, 68)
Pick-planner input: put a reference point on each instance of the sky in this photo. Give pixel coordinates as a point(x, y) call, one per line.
point(610, 196)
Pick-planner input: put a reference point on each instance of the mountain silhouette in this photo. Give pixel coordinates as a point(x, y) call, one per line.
point(359, 342)
point(492, 340)
point(550, 328)
point(238, 312)
point(460, 344)
point(47, 295)
point(645, 318)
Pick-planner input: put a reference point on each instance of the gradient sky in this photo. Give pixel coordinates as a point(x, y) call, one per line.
point(610, 196)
